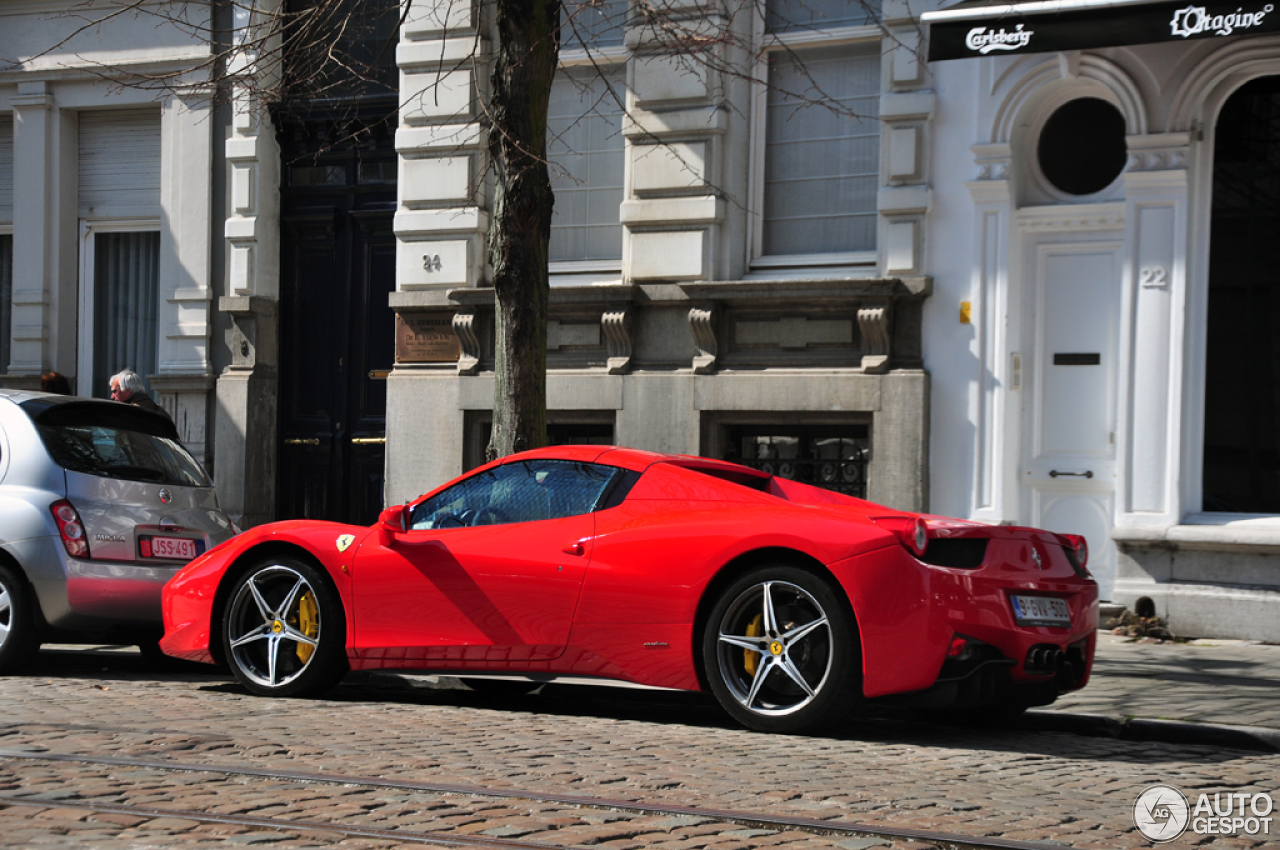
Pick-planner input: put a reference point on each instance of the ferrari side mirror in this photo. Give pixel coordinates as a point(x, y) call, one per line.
point(390, 523)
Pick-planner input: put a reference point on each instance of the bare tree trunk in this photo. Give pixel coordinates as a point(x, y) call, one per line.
point(528, 50)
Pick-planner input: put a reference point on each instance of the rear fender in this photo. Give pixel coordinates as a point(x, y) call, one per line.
point(903, 643)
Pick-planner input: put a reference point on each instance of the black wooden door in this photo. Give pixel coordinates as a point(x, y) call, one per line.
point(336, 328)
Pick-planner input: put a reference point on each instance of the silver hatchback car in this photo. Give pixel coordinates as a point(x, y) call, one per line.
point(100, 505)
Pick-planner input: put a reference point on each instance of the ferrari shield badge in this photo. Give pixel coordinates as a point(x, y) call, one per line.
point(345, 541)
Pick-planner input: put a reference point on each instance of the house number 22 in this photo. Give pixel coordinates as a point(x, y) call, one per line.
point(1152, 276)
point(431, 262)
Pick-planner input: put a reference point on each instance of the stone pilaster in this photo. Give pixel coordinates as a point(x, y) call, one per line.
point(673, 217)
point(442, 217)
point(244, 421)
point(43, 239)
point(1152, 317)
point(906, 107)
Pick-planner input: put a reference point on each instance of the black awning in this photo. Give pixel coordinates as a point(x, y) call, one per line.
point(999, 27)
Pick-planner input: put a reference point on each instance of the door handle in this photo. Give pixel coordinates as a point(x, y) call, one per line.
point(368, 441)
point(1054, 473)
point(574, 548)
point(302, 441)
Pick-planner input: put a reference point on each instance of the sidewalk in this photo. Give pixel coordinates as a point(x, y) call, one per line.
point(1207, 691)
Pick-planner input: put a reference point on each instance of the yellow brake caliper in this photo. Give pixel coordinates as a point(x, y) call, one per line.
point(750, 658)
point(308, 624)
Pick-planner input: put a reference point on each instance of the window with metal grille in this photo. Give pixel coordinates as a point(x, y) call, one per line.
point(834, 457)
point(578, 432)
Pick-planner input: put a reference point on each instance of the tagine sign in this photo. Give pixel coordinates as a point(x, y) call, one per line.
point(426, 338)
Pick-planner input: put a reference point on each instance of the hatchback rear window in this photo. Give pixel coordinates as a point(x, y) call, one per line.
point(133, 445)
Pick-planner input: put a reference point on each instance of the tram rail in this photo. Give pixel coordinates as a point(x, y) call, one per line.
point(755, 820)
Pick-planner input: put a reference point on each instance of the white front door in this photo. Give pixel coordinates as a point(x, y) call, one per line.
point(1069, 400)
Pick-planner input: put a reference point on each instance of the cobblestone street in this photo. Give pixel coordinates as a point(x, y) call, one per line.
point(640, 749)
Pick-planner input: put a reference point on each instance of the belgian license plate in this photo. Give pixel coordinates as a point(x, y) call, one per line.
point(178, 548)
point(1041, 611)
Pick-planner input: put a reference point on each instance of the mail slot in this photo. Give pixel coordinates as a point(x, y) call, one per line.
point(1089, 359)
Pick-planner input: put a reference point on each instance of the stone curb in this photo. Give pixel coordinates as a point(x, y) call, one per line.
point(1150, 729)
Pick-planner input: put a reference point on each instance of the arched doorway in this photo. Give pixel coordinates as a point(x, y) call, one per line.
point(1242, 367)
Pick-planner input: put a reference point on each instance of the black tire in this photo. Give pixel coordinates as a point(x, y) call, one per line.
point(18, 641)
point(502, 687)
point(289, 638)
point(781, 651)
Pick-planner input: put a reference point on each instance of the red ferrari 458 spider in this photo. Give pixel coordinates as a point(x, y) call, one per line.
point(791, 604)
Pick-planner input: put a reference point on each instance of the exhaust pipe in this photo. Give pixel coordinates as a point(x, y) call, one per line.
point(1044, 660)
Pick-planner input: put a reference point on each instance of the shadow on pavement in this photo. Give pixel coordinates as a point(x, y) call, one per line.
point(1048, 733)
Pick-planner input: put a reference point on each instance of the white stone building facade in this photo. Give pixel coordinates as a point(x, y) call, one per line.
point(922, 303)
point(693, 306)
point(106, 205)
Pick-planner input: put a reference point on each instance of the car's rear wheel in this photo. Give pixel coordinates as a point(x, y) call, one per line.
point(284, 631)
point(781, 651)
point(17, 621)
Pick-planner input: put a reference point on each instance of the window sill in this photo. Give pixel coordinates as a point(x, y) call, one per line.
point(585, 273)
point(1257, 533)
point(861, 264)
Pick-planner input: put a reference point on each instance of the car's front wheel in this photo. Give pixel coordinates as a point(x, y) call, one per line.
point(17, 621)
point(781, 651)
point(284, 631)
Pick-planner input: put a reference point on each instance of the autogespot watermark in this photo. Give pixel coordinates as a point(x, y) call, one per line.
point(1162, 813)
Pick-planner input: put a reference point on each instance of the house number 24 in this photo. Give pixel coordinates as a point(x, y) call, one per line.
point(431, 262)
point(1152, 276)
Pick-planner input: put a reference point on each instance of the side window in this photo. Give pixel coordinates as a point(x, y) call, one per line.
point(517, 492)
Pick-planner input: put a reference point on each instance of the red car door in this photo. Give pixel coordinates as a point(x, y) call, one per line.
point(489, 574)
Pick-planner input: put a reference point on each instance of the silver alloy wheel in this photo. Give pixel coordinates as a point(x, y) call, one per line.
point(775, 648)
point(273, 626)
point(6, 613)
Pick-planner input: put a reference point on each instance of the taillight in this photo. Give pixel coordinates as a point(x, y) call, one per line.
point(235, 529)
point(1078, 554)
point(70, 529)
point(911, 532)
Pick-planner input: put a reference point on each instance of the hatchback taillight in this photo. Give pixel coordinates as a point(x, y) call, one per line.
point(70, 528)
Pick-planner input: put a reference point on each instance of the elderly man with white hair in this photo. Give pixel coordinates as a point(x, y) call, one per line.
point(127, 386)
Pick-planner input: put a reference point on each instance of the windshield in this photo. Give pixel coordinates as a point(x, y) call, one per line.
point(128, 444)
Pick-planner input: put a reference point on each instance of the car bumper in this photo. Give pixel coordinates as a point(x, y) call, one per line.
point(909, 613)
point(116, 592)
point(83, 595)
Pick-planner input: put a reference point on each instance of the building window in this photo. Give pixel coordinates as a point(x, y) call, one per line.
point(818, 136)
point(588, 24)
point(6, 297)
point(585, 153)
point(833, 457)
point(1082, 148)
point(120, 295)
point(6, 239)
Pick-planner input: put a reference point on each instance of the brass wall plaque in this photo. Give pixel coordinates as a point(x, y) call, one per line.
point(426, 338)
